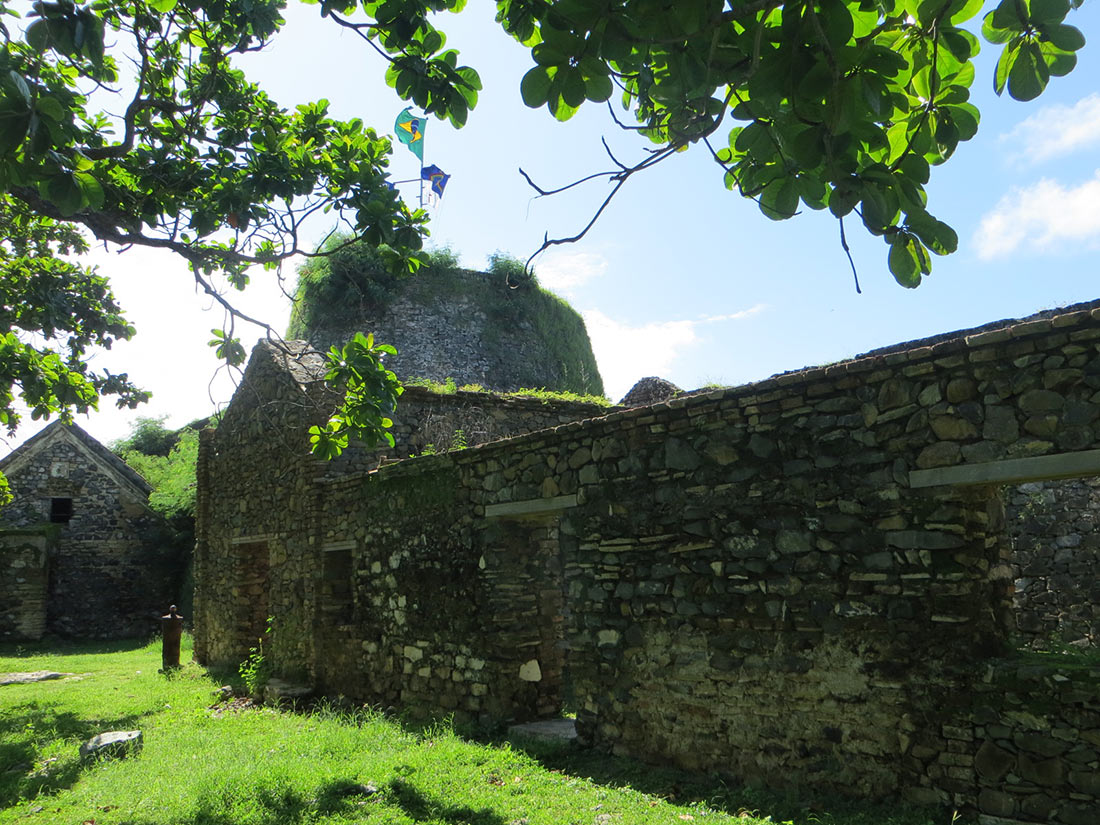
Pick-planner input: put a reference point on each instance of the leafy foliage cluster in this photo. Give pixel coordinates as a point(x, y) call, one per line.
point(458, 442)
point(131, 120)
point(257, 668)
point(370, 390)
point(166, 459)
point(348, 281)
point(838, 104)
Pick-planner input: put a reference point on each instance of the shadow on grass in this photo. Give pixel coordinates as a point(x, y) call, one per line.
point(720, 793)
point(345, 798)
point(69, 647)
point(23, 726)
point(424, 808)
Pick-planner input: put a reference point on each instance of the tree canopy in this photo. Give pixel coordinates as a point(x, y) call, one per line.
point(131, 121)
point(166, 459)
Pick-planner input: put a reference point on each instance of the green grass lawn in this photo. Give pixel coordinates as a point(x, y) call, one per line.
point(202, 765)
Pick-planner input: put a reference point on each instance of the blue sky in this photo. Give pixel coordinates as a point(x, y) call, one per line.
point(679, 278)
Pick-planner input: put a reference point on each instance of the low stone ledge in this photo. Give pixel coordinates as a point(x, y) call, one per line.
point(1010, 471)
point(531, 507)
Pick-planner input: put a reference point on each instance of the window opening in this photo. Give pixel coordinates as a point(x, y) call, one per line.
point(61, 510)
point(336, 593)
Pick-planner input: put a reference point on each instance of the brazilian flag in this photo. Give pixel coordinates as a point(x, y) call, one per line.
point(410, 131)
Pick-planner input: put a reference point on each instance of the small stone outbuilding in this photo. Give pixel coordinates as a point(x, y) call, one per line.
point(81, 553)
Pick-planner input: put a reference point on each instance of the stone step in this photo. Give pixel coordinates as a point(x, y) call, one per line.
point(553, 730)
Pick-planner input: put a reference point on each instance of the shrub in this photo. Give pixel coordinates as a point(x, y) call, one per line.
point(512, 270)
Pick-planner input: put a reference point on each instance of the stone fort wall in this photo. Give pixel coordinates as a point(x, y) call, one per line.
point(258, 496)
point(805, 581)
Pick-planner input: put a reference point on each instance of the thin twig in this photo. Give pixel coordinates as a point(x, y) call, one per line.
point(848, 252)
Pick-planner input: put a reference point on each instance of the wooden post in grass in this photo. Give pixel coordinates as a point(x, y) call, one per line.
point(173, 631)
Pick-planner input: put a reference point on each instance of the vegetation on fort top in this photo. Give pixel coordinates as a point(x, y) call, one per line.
point(354, 283)
point(449, 387)
point(206, 762)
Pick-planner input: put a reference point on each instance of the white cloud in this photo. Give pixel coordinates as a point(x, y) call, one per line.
point(563, 272)
point(628, 353)
point(1056, 130)
point(734, 316)
point(1042, 216)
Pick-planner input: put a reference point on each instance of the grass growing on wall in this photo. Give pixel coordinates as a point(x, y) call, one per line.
point(449, 387)
point(354, 282)
point(206, 764)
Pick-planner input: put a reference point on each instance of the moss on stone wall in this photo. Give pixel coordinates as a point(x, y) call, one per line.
point(525, 335)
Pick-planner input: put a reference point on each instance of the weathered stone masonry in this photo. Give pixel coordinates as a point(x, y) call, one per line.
point(23, 579)
point(259, 497)
point(107, 571)
point(800, 581)
point(1054, 528)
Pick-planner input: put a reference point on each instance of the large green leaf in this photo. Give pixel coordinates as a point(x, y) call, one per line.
point(1058, 62)
point(779, 200)
point(1029, 74)
point(1004, 66)
point(907, 260)
point(572, 87)
point(38, 35)
point(534, 88)
point(64, 192)
point(1067, 38)
point(597, 87)
point(1047, 12)
point(90, 189)
point(1007, 15)
point(933, 233)
point(962, 10)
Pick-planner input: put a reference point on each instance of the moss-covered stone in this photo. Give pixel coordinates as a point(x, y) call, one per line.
point(447, 322)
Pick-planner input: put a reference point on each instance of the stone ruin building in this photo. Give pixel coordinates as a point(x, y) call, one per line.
point(81, 553)
point(807, 581)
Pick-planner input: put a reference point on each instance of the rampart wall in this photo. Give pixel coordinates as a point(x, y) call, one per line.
point(804, 581)
point(260, 493)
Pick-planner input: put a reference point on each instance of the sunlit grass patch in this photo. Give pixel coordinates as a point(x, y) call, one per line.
point(205, 763)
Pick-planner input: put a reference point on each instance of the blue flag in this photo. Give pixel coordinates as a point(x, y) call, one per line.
point(437, 176)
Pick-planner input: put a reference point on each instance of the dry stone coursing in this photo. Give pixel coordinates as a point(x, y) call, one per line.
point(803, 581)
point(1056, 542)
point(109, 572)
point(454, 332)
point(651, 390)
point(261, 447)
point(23, 555)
